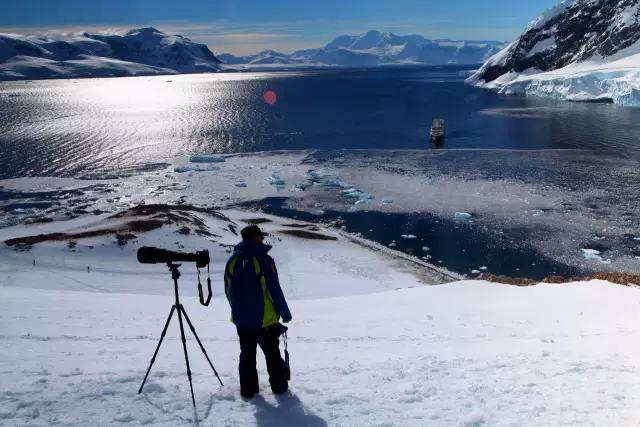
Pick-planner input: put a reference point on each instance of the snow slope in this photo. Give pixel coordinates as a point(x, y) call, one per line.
point(370, 343)
point(467, 353)
point(581, 50)
point(144, 51)
point(376, 48)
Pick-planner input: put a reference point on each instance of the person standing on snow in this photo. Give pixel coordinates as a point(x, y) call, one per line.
point(257, 304)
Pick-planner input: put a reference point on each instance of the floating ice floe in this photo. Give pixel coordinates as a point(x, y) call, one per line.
point(302, 186)
point(593, 254)
point(409, 236)
point(319, 174)
point(475, 271)
point(206, 158)
point(22, 211)
point(392, 244)
point(460, 216)
point(334, 183)
point(354, 193)
point(276, 181)
point(483, 268)
point(325, 178)
point(426, 248)
point(183, 169)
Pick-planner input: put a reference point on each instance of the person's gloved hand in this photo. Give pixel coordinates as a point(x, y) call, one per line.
point(286, 318)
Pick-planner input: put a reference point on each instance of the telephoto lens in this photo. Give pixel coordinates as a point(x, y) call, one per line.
point(151, 255)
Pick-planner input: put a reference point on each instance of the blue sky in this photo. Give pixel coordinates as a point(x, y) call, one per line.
point(245, 26)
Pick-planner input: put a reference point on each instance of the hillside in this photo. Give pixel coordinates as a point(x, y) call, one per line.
point(144, 51)
point(581, 50)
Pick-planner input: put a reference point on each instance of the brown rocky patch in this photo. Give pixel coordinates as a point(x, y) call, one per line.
point(508, 280)
point(257, 221)
point(305, 234)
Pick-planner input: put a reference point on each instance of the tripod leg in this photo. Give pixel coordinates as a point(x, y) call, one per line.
point(193, 330)
point(153, 359)
point(186, 356)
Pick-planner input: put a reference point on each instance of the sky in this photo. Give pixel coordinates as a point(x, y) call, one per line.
point(248, 26)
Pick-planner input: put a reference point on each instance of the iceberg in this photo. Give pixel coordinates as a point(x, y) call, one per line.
point(276, 181)
point(354, 193)
point(460, 216)
point(206, 158)
point(593, 254)
point(183, 169)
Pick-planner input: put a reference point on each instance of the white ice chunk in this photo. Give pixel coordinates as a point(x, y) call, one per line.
point(183, 169)
point(593, 254)
point(275, 179)
point(461, 216)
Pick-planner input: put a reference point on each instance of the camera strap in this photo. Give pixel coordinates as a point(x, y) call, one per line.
point(200, 293)
point(286, 358)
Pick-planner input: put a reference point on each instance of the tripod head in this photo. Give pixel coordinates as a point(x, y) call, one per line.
point(175, 273)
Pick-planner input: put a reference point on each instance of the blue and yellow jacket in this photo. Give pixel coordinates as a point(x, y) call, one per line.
point(252, 287)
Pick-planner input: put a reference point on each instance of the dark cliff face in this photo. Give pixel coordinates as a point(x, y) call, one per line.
point(578, 31)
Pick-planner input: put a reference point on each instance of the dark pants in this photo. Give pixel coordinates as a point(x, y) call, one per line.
point(269, 342)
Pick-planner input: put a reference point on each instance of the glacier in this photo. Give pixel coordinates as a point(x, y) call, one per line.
point(580, 50)
point(617, 82)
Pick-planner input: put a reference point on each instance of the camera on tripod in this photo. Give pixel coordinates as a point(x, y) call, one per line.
point(151, 255)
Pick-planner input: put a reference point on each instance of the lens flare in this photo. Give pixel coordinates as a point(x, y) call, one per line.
point(270, 97)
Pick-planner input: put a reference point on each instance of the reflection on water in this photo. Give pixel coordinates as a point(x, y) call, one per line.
point(79, 126)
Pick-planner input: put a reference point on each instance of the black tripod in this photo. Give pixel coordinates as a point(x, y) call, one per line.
point(175, 275)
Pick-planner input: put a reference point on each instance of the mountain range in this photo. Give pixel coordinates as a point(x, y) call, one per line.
point(376, 48)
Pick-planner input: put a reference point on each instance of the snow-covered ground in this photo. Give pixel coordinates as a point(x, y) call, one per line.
point(371, 343)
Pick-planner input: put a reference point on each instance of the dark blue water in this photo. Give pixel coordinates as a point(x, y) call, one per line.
point(457, 245)
point(70, 127)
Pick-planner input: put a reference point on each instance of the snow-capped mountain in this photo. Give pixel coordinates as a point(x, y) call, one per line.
point(377, 48)
point(578, 50)
point(141, 51)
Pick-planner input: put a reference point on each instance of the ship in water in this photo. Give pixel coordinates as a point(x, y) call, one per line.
point(437, 131)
